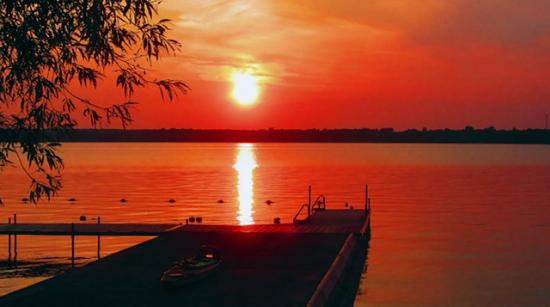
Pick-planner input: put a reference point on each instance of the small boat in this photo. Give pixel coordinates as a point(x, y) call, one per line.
point(189, 270)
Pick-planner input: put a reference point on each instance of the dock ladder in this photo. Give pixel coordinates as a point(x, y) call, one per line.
point(320, 203)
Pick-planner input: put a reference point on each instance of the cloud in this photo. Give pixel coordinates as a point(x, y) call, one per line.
point(502, 23)
point(281, 37)
point(315, 38)
point(379, 53)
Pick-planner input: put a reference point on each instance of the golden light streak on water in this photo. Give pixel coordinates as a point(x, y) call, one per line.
point(244, 165)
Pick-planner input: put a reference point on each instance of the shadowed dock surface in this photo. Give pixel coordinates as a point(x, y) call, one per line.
point(259, 269)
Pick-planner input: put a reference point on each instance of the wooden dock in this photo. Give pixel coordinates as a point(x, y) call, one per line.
point(316, 261)
point(325, 221)
point(84, 229)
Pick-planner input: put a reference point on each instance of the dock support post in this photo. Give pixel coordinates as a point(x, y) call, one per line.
point(15, 242)
point(72, 245)
point(366, 198)
point(98, 240)
point(9, 243)
point(309, 202)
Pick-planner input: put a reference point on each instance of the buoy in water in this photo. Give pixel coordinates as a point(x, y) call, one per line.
point(277, 220)
point(24, 199)
point(83, 218)
point(220, 201)
point(199, 219)
point(72, 199)
point(123, 200)
point(346, 204)
point(192, 219)
point(269, 202)
point(171, 200)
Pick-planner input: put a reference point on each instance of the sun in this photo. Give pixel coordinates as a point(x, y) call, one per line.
point(245, 88)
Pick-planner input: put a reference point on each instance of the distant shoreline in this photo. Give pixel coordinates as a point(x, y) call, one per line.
point(385, 135)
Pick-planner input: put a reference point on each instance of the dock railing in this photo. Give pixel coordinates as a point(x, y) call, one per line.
point(296, 220)
point(320, 203)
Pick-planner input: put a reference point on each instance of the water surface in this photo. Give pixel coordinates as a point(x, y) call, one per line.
point(452, 224)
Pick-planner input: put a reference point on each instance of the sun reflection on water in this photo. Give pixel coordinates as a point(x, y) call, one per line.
point(244, 165)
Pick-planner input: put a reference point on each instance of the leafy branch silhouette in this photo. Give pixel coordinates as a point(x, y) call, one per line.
point(49, 47)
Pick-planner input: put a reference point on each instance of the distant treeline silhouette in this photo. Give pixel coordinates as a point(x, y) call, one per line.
point(384, 135)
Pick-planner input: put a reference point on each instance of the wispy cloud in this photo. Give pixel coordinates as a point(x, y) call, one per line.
point(379, 53)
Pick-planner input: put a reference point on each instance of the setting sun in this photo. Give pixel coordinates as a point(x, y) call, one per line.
point(245, 88)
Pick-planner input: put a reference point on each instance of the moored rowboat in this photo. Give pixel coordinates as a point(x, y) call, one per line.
point(189, 270)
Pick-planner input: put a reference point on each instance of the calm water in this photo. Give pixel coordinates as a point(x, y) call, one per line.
point(452, 224)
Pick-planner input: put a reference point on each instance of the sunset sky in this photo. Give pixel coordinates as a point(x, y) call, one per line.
point(376, 63)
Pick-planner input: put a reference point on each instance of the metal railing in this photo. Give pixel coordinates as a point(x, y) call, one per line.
point(320, 203)
point(296, 220)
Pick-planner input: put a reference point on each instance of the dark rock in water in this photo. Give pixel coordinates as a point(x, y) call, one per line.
point(171, 200)
point(277, 220)
point(269, 202)
point(83, 218)
point(123, 200)
point(192, 219)
point(199, 219)
point(72, 199)
point(220, 201)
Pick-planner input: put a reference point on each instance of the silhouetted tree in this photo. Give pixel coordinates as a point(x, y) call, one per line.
point(49, 47)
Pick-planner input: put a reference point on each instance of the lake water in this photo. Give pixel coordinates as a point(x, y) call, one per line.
point(452, 224)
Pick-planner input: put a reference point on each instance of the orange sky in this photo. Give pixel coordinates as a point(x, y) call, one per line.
point(345, 63)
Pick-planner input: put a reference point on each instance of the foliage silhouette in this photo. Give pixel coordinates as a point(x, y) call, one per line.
point(385, 135)
point(49, 47)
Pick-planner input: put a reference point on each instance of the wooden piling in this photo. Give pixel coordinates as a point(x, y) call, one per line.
point(366, 197)
point(9, 243)
point(72, 245)
point(309, 202)
point(98, 240)
point(15, 242)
